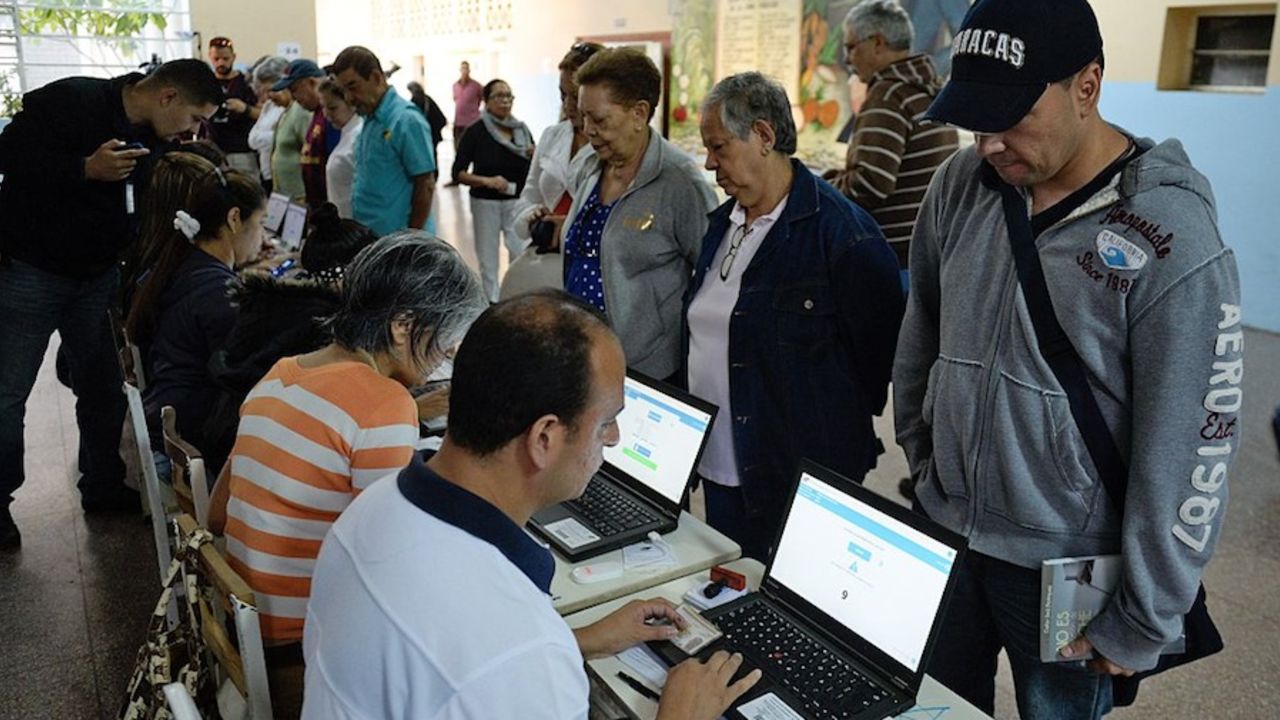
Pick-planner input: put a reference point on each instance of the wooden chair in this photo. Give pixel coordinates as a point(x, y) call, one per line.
point(242, 662)
point(190, 482)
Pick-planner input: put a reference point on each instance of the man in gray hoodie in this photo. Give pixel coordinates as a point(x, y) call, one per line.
point(1146, 294)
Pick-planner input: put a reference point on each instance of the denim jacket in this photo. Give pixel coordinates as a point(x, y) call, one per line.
point(811, 340)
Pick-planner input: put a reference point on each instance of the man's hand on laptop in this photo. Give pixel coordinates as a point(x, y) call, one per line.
point(701, 691)
point(636, 622)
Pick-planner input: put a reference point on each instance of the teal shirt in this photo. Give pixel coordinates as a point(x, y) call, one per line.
point(393, 148)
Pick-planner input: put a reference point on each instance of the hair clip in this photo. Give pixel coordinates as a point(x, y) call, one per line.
point(187, 225)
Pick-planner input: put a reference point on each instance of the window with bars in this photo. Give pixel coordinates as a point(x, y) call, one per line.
point(1231, 51)
point(419, 18)
point(1222, 48)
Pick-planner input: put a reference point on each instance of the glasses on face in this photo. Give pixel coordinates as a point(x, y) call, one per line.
point(849, 48)
point(735, 242)
point(502, 96)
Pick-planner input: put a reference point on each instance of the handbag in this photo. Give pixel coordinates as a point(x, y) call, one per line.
point(1202, 636)
point(174, 654)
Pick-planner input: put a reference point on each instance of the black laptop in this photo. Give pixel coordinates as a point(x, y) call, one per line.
point(849, 608)
point(644, 477)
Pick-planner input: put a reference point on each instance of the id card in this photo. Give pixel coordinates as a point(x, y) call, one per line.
point(698, 632)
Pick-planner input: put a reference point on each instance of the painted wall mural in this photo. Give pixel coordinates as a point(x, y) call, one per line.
point(712, 39)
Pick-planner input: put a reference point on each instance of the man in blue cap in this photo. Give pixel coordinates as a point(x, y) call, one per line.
point(1105, 425)
point(302, 78)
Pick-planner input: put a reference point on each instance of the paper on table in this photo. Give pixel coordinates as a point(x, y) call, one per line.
point(645, 664)
point(696, 598)
point(648, 554)
point(769, 707)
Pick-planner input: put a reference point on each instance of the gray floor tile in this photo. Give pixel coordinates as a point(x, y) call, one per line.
point(63, 689)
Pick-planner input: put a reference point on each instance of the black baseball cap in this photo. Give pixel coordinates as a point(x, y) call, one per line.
point(1006, 53)
point(297, 70)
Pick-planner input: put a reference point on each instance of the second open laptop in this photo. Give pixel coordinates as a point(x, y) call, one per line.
point(848, 611)
point(644, 477)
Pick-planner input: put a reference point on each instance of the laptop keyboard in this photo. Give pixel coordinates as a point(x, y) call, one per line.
point(828, 686)
point(608, 511)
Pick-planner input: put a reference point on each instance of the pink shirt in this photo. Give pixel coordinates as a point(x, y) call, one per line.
point(466, 102)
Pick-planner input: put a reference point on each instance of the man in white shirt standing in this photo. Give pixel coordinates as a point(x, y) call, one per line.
point(430, 600)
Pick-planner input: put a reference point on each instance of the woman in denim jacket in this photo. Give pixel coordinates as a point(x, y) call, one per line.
point(791, 318)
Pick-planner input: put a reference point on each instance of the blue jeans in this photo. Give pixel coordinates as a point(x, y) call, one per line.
point(727, 513)
point(33, 304)
point(997, 605)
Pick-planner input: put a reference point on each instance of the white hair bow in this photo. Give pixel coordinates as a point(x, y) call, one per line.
point(189, 226)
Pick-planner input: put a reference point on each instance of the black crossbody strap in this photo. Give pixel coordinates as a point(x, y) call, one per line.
point(1059, 353)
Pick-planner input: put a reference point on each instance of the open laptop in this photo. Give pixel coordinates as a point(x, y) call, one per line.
point(273, 219)
point(644, 477)
point(849, 608)
point(295, 226)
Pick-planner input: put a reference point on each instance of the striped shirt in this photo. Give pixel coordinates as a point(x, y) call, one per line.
point(893, 152)
point(309, 440)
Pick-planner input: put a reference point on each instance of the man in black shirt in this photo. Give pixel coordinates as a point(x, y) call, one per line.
point(75, 162)
point(229, 128)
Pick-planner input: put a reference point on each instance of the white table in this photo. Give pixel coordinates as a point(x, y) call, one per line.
point(933, 702)
point(697, 546)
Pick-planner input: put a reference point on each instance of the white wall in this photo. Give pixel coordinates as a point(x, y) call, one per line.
point(525, 56)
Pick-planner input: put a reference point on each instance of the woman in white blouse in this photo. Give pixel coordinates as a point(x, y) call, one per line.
point(340, 170)
point(561, 152)
point(262, 137)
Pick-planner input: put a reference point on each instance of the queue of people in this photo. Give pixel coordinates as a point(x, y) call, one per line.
point(792, 306)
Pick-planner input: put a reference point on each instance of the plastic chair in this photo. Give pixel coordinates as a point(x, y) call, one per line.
point(180, 702)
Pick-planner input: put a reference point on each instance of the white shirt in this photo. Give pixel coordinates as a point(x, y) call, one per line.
point(413, 617)
point(262, 136)
point(709, 315)
point(551, 173)
point(340, 169)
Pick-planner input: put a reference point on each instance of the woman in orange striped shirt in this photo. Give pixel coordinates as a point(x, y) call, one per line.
point(319, 428)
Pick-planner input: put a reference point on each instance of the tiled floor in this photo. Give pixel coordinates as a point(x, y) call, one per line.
point(74, 601)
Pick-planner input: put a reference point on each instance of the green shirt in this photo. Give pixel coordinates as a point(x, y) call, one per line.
point(286, 157)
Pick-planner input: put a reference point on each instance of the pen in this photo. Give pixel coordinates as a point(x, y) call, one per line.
point(638, 686)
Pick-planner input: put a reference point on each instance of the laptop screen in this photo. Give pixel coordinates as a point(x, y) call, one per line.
point(876, 575)
point(274, 216)
point(295, 223)
point(660, 438)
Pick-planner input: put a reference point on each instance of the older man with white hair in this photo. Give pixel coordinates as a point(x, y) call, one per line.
point(893, 152)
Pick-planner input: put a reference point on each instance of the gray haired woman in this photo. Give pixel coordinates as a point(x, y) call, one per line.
point(791, 318)
point(320, 428)
point(262, 136)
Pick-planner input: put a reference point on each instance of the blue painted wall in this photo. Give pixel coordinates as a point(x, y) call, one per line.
point(1234, 139)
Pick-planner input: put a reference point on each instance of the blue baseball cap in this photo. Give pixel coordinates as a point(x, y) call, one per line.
point(297, 70)
point(1006, 53)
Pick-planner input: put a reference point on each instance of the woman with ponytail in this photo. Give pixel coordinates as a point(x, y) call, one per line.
point(281, 317)
point(182, 311)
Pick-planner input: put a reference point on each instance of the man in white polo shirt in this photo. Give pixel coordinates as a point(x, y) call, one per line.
point(429, 600)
